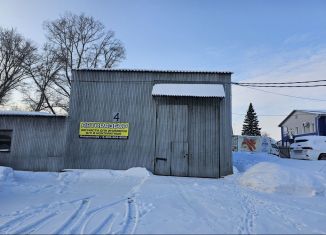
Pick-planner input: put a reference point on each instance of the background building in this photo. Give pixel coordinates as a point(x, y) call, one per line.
point(303, 122)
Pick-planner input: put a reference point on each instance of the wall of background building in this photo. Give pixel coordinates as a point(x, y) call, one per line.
point(294, 125)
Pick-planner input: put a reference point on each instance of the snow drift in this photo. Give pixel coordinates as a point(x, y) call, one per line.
point(266, 195)
point(274, 178)
point(6, 174)
point(104, 173)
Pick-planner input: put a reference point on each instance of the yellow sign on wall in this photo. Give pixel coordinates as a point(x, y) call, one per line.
point(104, 130)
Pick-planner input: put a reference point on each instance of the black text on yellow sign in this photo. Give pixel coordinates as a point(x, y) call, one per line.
point(104, 130)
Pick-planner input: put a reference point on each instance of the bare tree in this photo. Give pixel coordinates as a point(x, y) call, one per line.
point(43, 71)
point(80, 41)
point(265, 134)
point(15, 50)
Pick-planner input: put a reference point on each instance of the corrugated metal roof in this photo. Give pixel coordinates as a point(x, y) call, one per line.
point(192, 90)
point(27, 113)
point(152, 71)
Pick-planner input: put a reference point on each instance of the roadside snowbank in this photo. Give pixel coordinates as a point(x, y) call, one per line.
point(137, 172)
point(6, 174)
point(275, 178)
point(244, 160)
point(105, 173)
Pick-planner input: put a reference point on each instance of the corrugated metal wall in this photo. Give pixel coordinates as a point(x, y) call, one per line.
point(97, 95)
point(192, 123)
point(37, 143)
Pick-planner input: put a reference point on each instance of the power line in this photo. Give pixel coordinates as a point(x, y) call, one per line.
point(272, 115)
point(279, 86)
point(267, 115)
point(276, 93)
point(270, 83)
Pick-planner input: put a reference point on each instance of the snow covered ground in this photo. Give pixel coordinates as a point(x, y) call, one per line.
point(266, 195)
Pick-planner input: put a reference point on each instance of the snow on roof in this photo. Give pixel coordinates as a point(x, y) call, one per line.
point(313, 111)
point(152, 71)
point(192, 90)
point(23, 113)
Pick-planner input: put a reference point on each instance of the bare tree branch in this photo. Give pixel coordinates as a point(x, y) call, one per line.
point(15, 51)
point(80, 41)
point(43, 74)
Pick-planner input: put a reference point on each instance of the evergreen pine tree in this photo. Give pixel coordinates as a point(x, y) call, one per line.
point(250, 125)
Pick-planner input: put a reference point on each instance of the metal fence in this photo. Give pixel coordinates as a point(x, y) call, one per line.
point(284, 152)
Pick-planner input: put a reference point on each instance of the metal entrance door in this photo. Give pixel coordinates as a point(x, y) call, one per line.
point(171, 150)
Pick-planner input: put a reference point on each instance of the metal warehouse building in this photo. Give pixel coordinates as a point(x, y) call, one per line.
point(171, 122)
point(32, 140)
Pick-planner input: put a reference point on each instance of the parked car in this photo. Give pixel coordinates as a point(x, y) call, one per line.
point(275, 150)
point(309, 148)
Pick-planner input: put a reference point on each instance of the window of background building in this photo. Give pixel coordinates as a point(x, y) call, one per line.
point(5, 140)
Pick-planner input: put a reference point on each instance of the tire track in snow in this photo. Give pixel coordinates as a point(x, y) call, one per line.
point(23, 216)
point(129, 222)
point(18, 224)
point(80, 211)
point(35, 225)
point(131, 217)
point(81, 217)
point(80, 227)
point(15, 222)
point(103, 225)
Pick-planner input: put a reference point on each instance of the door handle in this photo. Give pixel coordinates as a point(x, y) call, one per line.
point(161, 158)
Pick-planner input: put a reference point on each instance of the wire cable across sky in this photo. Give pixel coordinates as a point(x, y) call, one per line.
point(276, 83)
point(281, 94)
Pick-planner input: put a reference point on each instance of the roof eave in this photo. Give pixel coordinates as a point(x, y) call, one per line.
point(280, 125)
point(152, 71)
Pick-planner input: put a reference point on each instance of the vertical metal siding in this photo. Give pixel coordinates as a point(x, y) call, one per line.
point(98, 102)
point(204, 137)
point(226, 132)
point(37, 143)
point(96, 95)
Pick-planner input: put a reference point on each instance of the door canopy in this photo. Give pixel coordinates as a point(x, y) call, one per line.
point(191, 90)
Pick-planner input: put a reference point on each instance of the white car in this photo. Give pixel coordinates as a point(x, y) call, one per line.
point(275, 150)
point(309, 148)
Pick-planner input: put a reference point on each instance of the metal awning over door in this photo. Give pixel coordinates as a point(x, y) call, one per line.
point(190, 90)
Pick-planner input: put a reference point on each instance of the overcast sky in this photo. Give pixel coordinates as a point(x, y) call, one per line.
point(261, 41)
